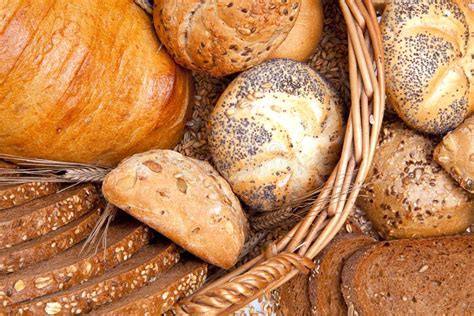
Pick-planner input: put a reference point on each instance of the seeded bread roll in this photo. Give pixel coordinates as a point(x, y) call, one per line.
point(275, 133)
point(428, 62)
point(225, 36)
point(456, 154)
point(407, 194)
point(184, 199)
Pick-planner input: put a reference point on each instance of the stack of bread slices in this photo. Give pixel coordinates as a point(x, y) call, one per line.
point(47, 267)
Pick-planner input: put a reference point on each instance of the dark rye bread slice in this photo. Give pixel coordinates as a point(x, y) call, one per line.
point(163, 292)
point(41, 216)
point(420, 277)
point(44, 247)
point(325, 280)
point(73, 266)
point(125, 278)
point(18, 194)
point(293, 297)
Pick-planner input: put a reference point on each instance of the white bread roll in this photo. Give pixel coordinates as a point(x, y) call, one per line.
point(275, 133)
point(428, 53)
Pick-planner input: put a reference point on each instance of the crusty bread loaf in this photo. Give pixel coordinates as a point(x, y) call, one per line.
point(224, 37)
point(456, 154)
point(46, 246)
point(428, 49)
point(276, 133)
point(169, 287)
point(75, 265)
point(184, 199)
point(38, 217)
point(86, 81)
point(14, 195)
point(325, 280)
point(407, 194)
point(411, 277)
point(127, 277)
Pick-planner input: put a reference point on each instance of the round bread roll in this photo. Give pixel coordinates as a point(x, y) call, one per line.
point(86, 81)
point(184, 199)
point(224, 37)
point(407, 194)
point(276, 133)
point(428, 62)
point(456, 154)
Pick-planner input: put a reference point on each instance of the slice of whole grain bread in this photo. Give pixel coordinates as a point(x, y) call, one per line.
point(18, 194)
point(420, 276)
point(325, 280)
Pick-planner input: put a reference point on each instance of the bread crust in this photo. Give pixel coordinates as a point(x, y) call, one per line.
point(86, 81)
point(456, 154)
point(407, 194)
point(184, 199)
point(428, 61)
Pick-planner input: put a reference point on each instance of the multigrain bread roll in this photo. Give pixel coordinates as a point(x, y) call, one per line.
point(428, 61)
point(225, 36)
point(86, 81)
point(184, 199)
point(275, 133)
point(407, 194)
point(456, 154)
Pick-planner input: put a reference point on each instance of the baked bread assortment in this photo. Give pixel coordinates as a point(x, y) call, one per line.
point(224, 37)
point(404, 277)
point(428, 50)
point(276, 133)
point(86, 81)
point(407, 194)
point(456, 154)
point(184, 199)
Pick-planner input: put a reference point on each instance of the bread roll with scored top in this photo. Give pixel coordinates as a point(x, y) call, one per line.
point(184, 199)
point(407, 194)
point(411, 277)
point(86, 81)
point(275, 133)
point(456, 154)
point(428, 62)
point(226, 36)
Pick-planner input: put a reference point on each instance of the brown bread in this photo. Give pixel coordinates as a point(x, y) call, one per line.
point(39, 249)
point(74, 266)
point(129, 276)
point(181, 281)
point(15, 195)
point(419, 277)
point(325, 281)
point(293, 297)
point(39, 217)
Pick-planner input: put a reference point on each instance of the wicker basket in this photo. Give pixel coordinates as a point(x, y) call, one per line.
point(294, 253)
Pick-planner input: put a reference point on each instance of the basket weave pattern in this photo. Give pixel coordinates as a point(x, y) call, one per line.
point(294, 252)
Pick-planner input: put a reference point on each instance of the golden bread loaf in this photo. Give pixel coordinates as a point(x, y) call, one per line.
point(429, 62)
point(86, 81)
point(276, 133)
point(456, 154)
point(224, 37)
point(407, 194)
point(184, 199)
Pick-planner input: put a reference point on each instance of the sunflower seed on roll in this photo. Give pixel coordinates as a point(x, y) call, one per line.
point(276, 133)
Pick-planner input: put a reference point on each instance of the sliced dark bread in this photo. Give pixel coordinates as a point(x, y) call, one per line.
point(125, 278)
point(44, 247)
point(419, 276)
point(166, 289)
point(41, 216)
point(74, 266)
point(325, 280)
point(293, 297)
point(18, 194)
